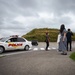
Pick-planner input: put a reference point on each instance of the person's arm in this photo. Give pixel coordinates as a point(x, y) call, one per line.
point(64, 36)
point(48, 39)
point(71, 33)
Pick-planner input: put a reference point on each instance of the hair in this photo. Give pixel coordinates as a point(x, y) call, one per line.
point(46, 33)
point(68, 29)
point(62, 27)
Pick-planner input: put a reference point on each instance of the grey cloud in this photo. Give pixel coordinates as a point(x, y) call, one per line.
point(27, 3)
point(65, 20)
point(29, 6)
point(10, 9)
point(60, 6)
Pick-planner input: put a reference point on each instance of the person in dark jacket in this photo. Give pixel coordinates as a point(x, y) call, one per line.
point(47, 41)
point(69, 39)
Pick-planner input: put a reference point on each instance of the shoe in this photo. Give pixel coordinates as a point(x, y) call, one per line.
point(63, 53)
point(46, 49)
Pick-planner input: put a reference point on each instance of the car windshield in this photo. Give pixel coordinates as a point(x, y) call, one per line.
point(3, 39)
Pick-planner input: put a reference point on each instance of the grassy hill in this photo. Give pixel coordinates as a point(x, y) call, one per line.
point(39, 34)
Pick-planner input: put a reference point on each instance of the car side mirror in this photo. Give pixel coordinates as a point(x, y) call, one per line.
point(8, 41)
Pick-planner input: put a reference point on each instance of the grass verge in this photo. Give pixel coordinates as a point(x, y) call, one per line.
point(2, 56)
point(72, 56)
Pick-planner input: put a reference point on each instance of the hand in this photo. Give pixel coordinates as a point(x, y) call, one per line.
point(63, 40)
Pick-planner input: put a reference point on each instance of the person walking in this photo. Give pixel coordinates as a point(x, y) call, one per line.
point(69, 39)
point(47, 41)
point(63, 40)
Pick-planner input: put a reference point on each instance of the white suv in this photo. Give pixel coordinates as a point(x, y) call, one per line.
point(13, 43)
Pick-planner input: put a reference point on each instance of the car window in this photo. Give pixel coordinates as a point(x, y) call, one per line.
point(17, 40)
point(13, 39)
point(20, 40)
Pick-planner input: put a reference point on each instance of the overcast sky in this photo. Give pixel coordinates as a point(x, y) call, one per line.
point(21, 16)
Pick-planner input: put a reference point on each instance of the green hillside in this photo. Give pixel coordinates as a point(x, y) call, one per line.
point(39, 34)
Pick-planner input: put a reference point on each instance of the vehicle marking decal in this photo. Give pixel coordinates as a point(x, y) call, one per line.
point(15, 45)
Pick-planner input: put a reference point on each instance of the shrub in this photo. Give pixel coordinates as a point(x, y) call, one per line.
point(72, 56)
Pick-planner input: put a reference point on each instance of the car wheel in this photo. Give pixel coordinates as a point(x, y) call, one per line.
point(26, 47)
point(1, 50)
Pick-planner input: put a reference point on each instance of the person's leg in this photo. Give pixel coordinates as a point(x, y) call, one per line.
point(70, 45)
point(67, 45)
point(47, 45)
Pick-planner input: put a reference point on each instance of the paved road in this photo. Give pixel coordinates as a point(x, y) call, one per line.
point(39, 62)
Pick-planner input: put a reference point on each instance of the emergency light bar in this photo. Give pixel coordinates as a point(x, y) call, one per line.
point(14, 35)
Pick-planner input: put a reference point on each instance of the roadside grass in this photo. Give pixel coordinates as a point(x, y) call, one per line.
point(2, 56)
point(72, 56)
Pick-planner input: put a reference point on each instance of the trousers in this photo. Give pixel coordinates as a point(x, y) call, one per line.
point(69, 45)
point(47, 45)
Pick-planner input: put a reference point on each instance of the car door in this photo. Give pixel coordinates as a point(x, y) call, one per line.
point(20, 43)
point(10, 44)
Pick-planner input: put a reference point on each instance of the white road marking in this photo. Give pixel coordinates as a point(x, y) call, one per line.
point(42, 48)
point(53, 48)
point(35, 49)
point(30, 48)
point(49, 48)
